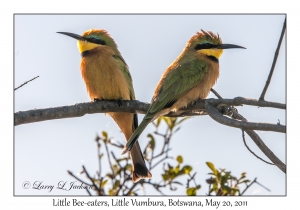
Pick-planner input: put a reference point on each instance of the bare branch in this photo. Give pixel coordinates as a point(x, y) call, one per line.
point(259, 142)
point(70, 173)
point(214, 114)
point(262, 96)
point(237, 101)
point(91, 179)
point(81, 109)
point(26, 82)
point(243, 135)
point(216, 93)
point(262, 185)
point(248, 186)
point(109, 161)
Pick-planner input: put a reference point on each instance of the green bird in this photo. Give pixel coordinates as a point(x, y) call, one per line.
point(188, 78)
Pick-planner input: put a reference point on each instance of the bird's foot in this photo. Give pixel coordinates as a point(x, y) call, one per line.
point(119, 102)
point(97, 99)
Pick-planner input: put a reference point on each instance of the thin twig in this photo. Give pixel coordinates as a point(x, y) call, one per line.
point(121, 168)
point(265, 149)
point(88, 191)
point(238, 101)
point(192, 178)
point(209, 193)
point(91, 179)
point(248, 186)
point(133, 186)
point(262, 96)
point(98, 150)
point(157, 186)
point(243, 135)
point(216, 93)
point(214, 114)
point(262, 186)
point(166, 157)
point(259, 142)
point(70, 173)
point(109, 161)
point(26, 82)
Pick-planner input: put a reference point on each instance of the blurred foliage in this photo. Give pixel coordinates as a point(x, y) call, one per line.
point(118, 180)
point(222, 183)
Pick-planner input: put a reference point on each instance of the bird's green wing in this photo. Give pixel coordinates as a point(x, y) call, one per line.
point(181, 79)
point(126, 73)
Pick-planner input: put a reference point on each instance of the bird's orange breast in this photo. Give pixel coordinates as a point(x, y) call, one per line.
point(102, 75)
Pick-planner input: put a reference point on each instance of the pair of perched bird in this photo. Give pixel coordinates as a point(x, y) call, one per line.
point(188, 78)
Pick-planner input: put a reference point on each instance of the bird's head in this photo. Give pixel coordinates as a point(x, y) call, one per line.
point(208, 43)
point(91, 39)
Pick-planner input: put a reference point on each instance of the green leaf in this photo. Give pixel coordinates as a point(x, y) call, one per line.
point(165, 177)
point(187, 169)
point(245, 181)
point(151, 144)
point(104, 134)
point(128, 167)
point(103, 183)
point(224, 178)
point(212, 167)
point(176, 170)
point(183, 119)
point(227, 189)
point(175, 182)
point(109, 175)
point(116, 184)
point(191, 191)
point(179, 159)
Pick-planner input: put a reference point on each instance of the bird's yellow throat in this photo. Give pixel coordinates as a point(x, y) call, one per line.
point(84, 46)
point(212, 52)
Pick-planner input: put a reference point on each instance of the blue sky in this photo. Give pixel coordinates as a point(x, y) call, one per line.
point(44, 151)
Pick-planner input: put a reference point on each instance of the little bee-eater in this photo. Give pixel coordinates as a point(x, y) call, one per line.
point(188, 78)
point(107, 77)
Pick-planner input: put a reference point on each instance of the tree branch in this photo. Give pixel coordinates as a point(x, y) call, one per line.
point(243, 135)
point(81, 109)
point(261, 145)
point(237, 101)
point(26, 83)
point(257, 140)
point(214, 114)
point(262, 96)
point(91, 179)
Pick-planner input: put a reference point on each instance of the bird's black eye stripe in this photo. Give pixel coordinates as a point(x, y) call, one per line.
point(96, 41)
point(204, 46)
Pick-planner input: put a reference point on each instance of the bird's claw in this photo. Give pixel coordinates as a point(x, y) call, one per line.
point(119, 102)
point(97, 99)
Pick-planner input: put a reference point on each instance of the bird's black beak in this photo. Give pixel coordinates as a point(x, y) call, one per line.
point(75, 36)
point(228, 46)
point(220, 46)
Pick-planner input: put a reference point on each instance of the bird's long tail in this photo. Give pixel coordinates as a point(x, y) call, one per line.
point(130, 143)
point(128, 123)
